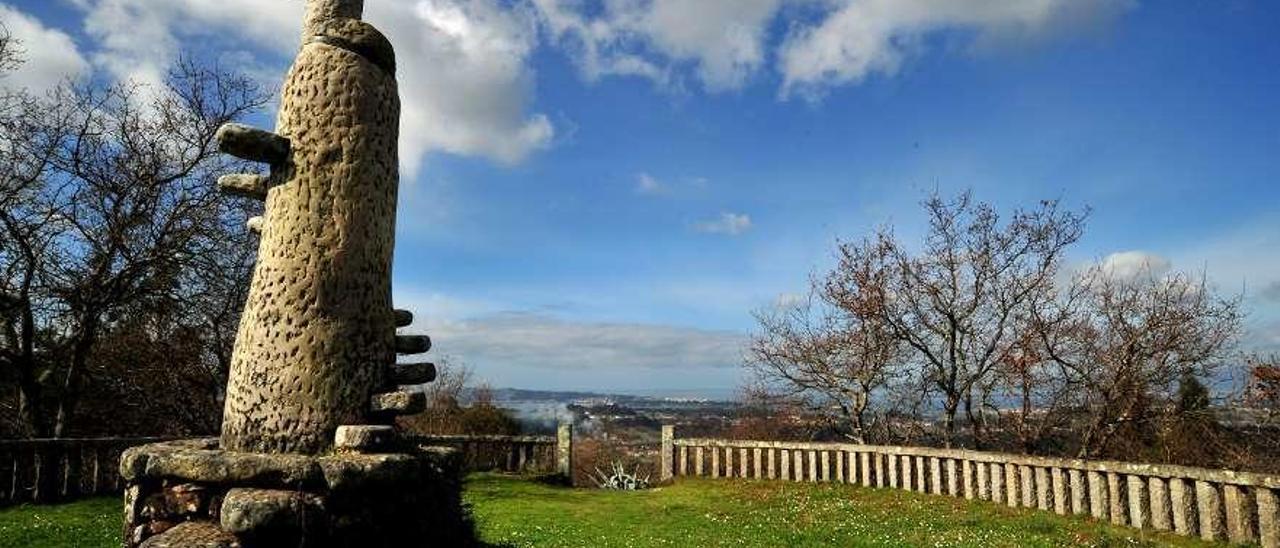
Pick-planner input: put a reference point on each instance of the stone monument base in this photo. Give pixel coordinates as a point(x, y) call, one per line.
point(190, 493)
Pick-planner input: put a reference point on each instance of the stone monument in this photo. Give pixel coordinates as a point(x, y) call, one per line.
point(309, 455)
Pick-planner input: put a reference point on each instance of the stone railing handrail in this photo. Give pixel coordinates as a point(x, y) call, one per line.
point(1130, 468)
point(62, 469)
point(1243, 507)
point(519, 454)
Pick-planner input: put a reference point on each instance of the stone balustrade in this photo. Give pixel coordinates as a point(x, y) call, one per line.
point(60, 470)
point(515, 454)
point(1239, 507)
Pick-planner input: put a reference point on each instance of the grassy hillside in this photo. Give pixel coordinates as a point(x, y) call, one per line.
point(514, 512)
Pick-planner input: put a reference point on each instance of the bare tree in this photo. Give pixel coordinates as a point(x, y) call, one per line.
point(961, 300)
point(1127, 341)
point(831, 349)
point(112, 215)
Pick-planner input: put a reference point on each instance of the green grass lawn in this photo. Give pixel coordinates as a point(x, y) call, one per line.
point(514, 512)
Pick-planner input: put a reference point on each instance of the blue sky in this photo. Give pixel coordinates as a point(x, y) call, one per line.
point(595, 194)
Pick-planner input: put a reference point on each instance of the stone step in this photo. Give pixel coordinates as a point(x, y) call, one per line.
point(412, 373)
point(412, 344)
point(401, 402)
point(364, 438)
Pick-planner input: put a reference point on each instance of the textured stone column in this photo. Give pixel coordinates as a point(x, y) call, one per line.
point(1116, 498)
point(697, 461)
point(966, 478)
point(893, 470)
point(784, 455)
point(935, 475)
point(1079, 494)
point(1182, 504)
point(1237, 505)
point(840, 458)
point(797, 465)
point(1268, 518)
point(864, 463)
point(1027, 475)
point(564, 451)
point(920, 475)
point(1209, 507)
point(1042, 487)
point(1059, 491)
point(1099, 499)
point(757, 465)
point(880, 469)
point(684, 460)
point(772, 462)
point(1011, 485)
point(1138, 504)
point(906, 473)
point(1158, 490)
point(826, 466)
point(742, 463)
point(318, 320)
point(953, 478)
point(668, 453)
point(997, 482)
point(984, 480)
point(715, 461)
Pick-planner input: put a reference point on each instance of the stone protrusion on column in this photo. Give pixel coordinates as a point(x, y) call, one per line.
point(1236, 503)
point(401, 374)
point(1059, 491)
point(253, 144)
point(1182, 506)
point(400, 402)
point(402, 318)
point(1268, 518)
point(364, 438)
point(1099, 503)
point(412, 344)
point(244, 185)
point(255, 224)
point(1079, 493)
point(1136, 490)
point(1117, 507)
point(668, 452)
point(1158, 492)
point(1209, 508)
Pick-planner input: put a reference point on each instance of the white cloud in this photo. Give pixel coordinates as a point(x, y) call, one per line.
point(1128, 265)
point(462, 64)
point(648, 184)
point(534, 340)
point(723, 41)
point(49, 56)
point(862, 37)
point(728, 223)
